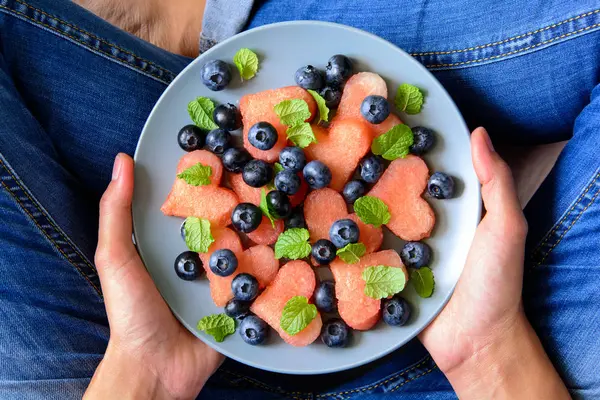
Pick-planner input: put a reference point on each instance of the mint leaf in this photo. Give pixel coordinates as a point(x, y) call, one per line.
point(293, 244)
point(297, 314)
point(382, 281)
point(197, 175)
point(409, 99)
point(265, 208)
point(246, 62)
point(292, 112)
point(423, 281)
point(197, 234)
point(372, 210)
point(218, 326)
point(201, 112)
point(277, 168)
point(301, 135)
point(351, 253)
point(393, 144)
point(323, 109)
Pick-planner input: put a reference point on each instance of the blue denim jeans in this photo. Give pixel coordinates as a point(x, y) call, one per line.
point(75, 90)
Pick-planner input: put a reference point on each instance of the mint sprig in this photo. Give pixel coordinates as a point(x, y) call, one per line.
point(277, 168)
point(293, 244)
point(323, 109)
point(382, 281)
point(198, 237)
point(201, 112)
point(423, 281)
point(409, 99)
point(372, 210)
point(218, 326)
point(197, 175)
point(246, 62)
point(292, 112)
point(297, 315)
point(352, 252)
point(265, 208)
point(301, 135)
point(393, 144)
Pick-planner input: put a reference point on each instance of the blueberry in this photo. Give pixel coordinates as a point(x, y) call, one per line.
point(308, 77)
point(338, 70)
point(317, 174)
point(296, 219)
point(371, 168)
point(188, 265)
point(254, 330)
point(441, 186)
point(325, 296)
point(191, 138)
point(217, 141)
point(257, 173)
point(323, 251)
point(227, 117)
point(182, 230)
point(292, 158)
point(335, 333)
point(237, 309)
point(287, 181)
point(244, 287)
point(262, 135)
point(343, 232)
point(223, 262)
point(424, 140)
point(375, 109)
point(246, 217)
point(235, 159)
point(353, 190)
point(278, 204)
point(216, 75)
point(332, 96)
point(396, 311)
point(415, 254)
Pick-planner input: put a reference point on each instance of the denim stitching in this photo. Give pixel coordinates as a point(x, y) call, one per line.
point(164, 75)
point(515, 51)
point(561, 223)
point(261, 385)
point(432, 53)
point(412, 379)
point(49, 229)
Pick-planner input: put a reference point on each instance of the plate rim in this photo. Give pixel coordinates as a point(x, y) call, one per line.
point(392, 47)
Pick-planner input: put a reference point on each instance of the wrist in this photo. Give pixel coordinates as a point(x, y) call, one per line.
point(512, 365)
point(121, 376)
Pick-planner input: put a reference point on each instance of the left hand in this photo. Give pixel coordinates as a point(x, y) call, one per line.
point(149, 351)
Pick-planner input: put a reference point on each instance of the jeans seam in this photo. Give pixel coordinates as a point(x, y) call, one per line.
point(165, 76)
point(91, 278)
point(562, 223)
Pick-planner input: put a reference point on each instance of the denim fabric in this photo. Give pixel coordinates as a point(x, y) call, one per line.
point(74, 91)
point(223, 19)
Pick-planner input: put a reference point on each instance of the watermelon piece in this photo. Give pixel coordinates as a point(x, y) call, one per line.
point(265, 233)
point(259, 107)
point(357, 88)
point(258, 261)
point(209, 202)
point(370, 236)
point(321, 209)
point(296, 278)
point(249, 194)
point(341, 148)
point(358, 310)
point(411, 216)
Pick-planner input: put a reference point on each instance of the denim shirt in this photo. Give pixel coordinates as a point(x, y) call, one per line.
point(223, 19)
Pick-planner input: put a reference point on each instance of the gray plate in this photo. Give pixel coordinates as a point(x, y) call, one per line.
point(283, 48)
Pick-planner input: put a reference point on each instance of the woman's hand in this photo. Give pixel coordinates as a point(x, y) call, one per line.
point(150, 354)
point(482, 340)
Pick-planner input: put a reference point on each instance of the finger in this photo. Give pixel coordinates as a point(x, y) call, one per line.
point(503, 210)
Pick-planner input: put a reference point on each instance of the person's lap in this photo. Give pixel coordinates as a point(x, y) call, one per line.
point(74, 91)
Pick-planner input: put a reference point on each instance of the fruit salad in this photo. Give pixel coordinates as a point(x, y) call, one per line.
point(326, 167)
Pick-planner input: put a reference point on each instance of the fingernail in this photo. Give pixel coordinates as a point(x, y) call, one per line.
point(116, 173)
point(488, 140)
